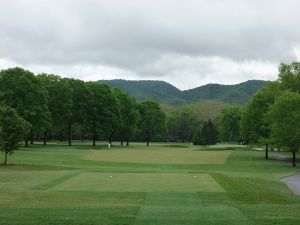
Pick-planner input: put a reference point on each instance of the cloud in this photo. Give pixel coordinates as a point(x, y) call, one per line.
point(207, 41)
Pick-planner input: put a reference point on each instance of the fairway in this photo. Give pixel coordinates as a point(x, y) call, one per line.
point(140, 182)
point(177, 156)
point(164, 184)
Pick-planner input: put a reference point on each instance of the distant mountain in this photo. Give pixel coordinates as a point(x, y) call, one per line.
point(166, 93)
point(149, 89)
point(236, 94)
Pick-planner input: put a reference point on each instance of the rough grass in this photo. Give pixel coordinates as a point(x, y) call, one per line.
point(57, 185)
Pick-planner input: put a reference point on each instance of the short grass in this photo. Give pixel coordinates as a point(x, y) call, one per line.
point(140, 182)
point(160, 156)
point(162, 184)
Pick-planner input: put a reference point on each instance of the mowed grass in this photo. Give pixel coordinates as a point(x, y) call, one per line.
point(140, 182)
point(158, 156)
point(162, 184)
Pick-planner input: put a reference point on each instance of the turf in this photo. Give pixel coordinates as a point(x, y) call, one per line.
point(162, 184)
point(140, 182)
point(158, 156)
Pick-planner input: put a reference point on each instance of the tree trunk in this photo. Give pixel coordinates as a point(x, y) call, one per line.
point(31, 138)
point(109, 139)
point(294, 158)
point(147, 143)
point(26, 142)
point(230, 137)
point(94, 139)
point(267, 152)
point(127, 142)
point(121, 142)
point(45, 137)
point(5, 157)
point(82, 137)
point(70, 133)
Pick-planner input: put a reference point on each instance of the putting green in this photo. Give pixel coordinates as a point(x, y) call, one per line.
point(140, 182)
point(159, 156)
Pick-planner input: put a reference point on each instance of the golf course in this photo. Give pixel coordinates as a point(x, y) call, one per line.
point(164, 183)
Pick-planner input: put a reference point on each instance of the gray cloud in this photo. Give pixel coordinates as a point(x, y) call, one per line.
point(138, 39)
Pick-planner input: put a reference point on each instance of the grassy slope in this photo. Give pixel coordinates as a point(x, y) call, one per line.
point(42, 188)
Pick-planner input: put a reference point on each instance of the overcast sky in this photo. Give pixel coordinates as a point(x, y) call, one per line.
point(186, 43)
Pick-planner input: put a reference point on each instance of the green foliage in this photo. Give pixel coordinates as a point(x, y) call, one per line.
point(285, 117)
point(149, 90)
point(237, 94)
point(79, 100)
point(255, 126)
point(198, 138)
point(289, 76)
point(152, 120)
point(129, 115)
point(22, 91)
point(206, 135)
point(96, 103)
point(60, 96)
point(229, 124)
point(181, 124)
point(12, 129)
point(165, 93)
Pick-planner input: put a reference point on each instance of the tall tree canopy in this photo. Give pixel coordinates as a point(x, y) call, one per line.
point(103, 115)
point(152, 120)
point(79, 105)
point(285, 117)
point(255, 126)
point(129, 115)
point(206, 134)
point(229, 124)
point(60, 101)
point(12, 129)
point(22, 91)
point(181, 124)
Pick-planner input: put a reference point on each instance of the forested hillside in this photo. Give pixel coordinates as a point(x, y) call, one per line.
point(168, 94)
point(149, 89)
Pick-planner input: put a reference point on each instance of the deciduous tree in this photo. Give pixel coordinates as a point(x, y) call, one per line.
point(12, 130)
point(284, 115)
point(152, 120)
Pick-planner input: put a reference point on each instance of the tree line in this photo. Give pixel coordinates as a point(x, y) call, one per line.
point(272, 116)
point(50, 107)
point(47, 106)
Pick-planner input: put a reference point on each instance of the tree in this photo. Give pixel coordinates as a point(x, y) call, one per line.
point(289, 77)
point(60, 102)
point(255, 126)
point(129, 115)
point(181, 124)
point(229, 124)
point(79, 105)
point(206, 134)
point(112, 117)
point(102, 115)
point(210, 133)
point(284, 115)
point(12, 130)
point(152, 120)
point(22, 91)
point(198, 138)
